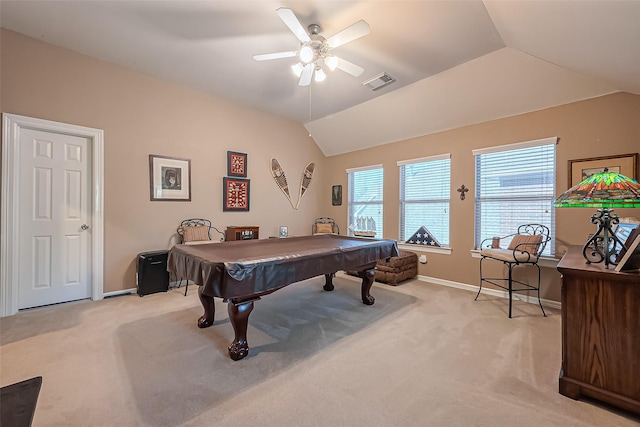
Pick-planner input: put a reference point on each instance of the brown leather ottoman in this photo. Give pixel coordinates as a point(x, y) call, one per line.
point(397, 269)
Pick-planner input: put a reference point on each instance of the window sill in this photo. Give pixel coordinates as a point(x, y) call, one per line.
point(424, 248)
point(545, 261)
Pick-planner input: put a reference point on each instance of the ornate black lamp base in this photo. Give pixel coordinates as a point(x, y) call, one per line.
point(603, 245)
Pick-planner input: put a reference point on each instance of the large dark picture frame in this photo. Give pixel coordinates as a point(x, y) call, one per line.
point(236, 164)
point(169, 178)
point(235, 194)
point(581, 169)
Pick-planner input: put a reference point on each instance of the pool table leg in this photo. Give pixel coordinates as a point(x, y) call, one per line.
point(209, 306)
point(328, 282)
point(239, 316)
point(367, 281)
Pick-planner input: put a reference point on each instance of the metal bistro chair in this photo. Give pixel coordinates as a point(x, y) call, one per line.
point(196, 231)
point(525, 248)
point(325, 225)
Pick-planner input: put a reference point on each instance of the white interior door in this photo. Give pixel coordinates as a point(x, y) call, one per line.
point(55, 221)
point(51, 213)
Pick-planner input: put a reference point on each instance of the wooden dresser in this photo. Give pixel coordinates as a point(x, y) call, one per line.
point(600, 332)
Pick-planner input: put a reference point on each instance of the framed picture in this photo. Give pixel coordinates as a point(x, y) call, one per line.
point(284, 231)
point(235, 193)
point(336, 195)
point(631, 258)
point(623, 230)
point(236, 164)
point(169, 178)
point(626, 233)
point(581, 169)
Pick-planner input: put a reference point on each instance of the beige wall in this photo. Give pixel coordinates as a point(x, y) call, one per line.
point(603, 126)
point(143, 115)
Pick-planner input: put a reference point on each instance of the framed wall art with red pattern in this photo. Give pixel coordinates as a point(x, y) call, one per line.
point(235, 194)
point(236, 164)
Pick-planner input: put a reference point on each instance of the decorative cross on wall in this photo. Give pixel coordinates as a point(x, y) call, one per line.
point(462, 190)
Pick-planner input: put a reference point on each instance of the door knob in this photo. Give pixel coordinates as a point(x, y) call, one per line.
point(84, 227)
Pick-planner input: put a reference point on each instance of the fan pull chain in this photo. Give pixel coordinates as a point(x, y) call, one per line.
point(309, 109)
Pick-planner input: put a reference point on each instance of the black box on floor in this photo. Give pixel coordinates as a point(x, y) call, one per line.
point(151, 272)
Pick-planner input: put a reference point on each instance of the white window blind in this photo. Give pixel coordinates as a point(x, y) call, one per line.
point(425, 192)
point(515, 185)
point(365, 197)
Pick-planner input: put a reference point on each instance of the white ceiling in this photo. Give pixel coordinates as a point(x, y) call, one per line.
point(455, 62)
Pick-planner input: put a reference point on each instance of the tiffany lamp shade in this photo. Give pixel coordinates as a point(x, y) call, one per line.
point(604, 191)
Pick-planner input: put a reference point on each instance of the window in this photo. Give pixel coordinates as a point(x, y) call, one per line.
point(365, 199)
point(425, 191)
point(515, 185)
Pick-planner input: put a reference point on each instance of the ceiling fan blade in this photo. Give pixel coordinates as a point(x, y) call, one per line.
point(305, 77)
point(277, 55)
point(349, 67)
point(290, 20)
point(352, 32)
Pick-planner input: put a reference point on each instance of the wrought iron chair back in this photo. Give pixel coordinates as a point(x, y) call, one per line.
point(325, 220)
point(198, 222)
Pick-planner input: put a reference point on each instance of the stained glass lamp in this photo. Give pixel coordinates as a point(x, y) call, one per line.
point(604, 191)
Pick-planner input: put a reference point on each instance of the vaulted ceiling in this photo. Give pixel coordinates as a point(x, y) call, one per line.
point(455, 62)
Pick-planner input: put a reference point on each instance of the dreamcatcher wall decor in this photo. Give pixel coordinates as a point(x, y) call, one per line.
point(281, 180)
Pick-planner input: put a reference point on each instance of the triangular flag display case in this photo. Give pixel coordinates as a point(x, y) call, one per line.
point(423, 237)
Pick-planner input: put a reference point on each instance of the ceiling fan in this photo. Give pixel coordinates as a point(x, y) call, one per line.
point(315, 50)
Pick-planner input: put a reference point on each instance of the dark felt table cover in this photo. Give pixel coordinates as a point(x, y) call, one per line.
point(18, 402)
point(257, 267)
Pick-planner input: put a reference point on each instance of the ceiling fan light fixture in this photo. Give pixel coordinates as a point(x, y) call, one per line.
point(331, 61)
point(297, 69)
point(315, 50)
point(320, 75)
point(306, 54)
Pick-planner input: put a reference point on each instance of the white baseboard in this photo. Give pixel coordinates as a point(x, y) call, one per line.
point(489, 291)
point(118, 293)
point(474, 289)
point(134, 290)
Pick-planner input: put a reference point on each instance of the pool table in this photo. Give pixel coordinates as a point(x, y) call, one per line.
point(241, 272)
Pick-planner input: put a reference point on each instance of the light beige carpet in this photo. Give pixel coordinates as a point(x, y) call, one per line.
point(422, 355)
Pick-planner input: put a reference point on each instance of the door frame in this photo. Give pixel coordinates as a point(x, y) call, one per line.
point(9, 221)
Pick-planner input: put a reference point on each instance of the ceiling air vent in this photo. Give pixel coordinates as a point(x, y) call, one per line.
point(379, 81)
